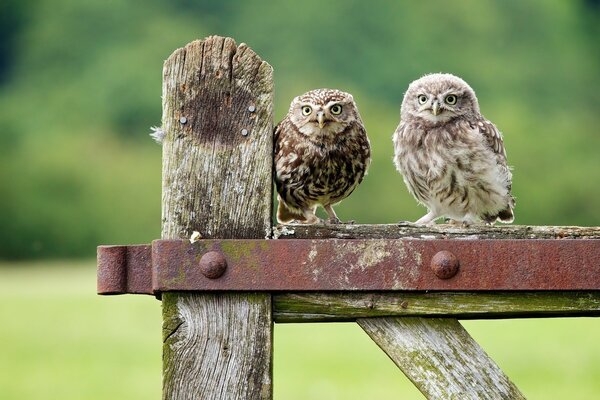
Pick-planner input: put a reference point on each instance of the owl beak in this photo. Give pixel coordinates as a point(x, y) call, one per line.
point(321, 119)
point(435, 107)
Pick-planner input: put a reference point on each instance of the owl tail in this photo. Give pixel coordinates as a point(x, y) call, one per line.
point(506, 215)
point(284, 214)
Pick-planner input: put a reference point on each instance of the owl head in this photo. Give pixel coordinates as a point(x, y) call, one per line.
point(438, 98)
point(323, 112)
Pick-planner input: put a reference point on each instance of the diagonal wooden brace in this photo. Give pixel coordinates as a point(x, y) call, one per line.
point(440, 357)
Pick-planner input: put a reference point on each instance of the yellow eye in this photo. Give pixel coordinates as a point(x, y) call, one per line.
point(450, 99)
point(336, 109)
point(422, 99)
point(306, 110)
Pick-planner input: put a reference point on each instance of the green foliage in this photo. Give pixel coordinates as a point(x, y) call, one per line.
point(80, 85)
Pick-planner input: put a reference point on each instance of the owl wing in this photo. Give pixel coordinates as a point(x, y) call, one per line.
point(277, 134)
point(492, 136)
point(494, 140)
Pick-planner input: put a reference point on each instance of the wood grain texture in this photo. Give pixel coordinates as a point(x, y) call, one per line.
point(442, 231)
point(214, 177)
point(217, 163)
point(331, 307)
point(217, 346)
point(440, 357)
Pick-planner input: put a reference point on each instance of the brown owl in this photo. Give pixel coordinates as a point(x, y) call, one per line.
point(452, 159)
point(321, 155)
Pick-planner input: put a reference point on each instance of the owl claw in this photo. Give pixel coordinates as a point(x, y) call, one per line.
point(427, 219)
point(334, 221)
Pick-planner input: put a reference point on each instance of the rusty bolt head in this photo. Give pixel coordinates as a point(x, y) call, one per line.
point(213, 264)
point(445, 264)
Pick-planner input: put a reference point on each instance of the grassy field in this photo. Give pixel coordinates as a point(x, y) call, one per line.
point(59, 340)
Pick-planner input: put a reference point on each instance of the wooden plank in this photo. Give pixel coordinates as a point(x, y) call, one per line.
point(332, 307)
point(440, 231)
point(217, 161)
point(217, 346)
point(440, 357)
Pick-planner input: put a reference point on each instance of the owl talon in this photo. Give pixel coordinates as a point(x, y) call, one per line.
point(455, 222)
point(427, 219)
point(313, 221)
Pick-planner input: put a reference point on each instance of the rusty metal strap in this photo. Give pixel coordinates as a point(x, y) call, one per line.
point(349, 265)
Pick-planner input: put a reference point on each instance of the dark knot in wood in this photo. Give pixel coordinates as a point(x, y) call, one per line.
point(444, 264)
point(213, 265)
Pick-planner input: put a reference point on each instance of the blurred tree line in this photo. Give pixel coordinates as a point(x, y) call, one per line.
point(80, 85)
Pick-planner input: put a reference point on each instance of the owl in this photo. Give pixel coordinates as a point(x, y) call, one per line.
point(322, 153)
point(452, 159)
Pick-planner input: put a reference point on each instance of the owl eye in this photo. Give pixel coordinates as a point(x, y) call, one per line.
point(336, 109)
point(306, 110)
point(450, 99)
point(422, 99)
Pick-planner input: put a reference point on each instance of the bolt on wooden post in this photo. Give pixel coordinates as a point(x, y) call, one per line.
point(217, 163)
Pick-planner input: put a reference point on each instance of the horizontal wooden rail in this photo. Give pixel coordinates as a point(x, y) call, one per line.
point(335, 307)
point(407, 230)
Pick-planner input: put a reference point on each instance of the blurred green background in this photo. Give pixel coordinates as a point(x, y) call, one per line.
point(80, 85)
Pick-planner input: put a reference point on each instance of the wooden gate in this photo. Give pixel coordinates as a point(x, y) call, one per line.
point(405, 285)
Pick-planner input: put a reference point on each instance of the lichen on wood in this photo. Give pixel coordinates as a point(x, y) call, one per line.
point(440, 357)
point(331, 307)
point(408, 230)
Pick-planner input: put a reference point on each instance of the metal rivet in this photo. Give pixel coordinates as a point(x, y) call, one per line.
point(252, 108)
point(245, 132)
point(213, 264)
point(444, 264)
point(182, 120)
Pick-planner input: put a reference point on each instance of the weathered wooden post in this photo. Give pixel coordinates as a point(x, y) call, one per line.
point(217, 161)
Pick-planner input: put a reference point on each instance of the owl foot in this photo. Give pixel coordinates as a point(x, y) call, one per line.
point(333, 218)
point(313, 222)
point(427, 219)
point(464, 224)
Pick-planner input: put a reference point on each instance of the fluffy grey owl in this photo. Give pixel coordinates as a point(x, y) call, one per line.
point(452, 159)
point(321, 155)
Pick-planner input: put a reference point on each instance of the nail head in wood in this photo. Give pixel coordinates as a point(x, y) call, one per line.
point(213, 265)
point(252, 108)
point(244, 132)
point(182, 120)
point(444, 264)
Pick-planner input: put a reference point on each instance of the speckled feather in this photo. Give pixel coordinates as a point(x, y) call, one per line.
point(453, 162)
point(318, 166)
